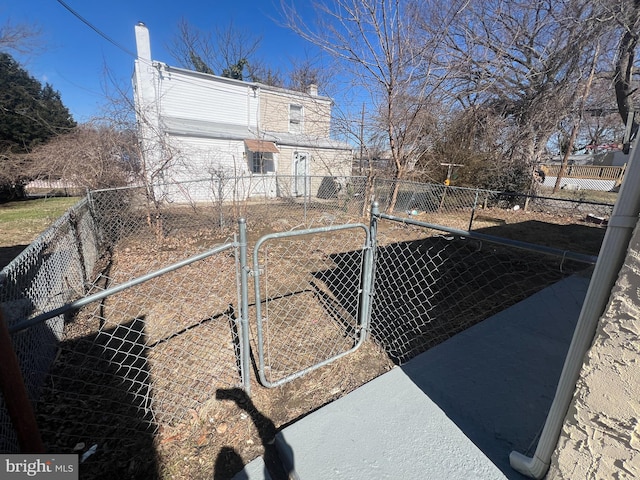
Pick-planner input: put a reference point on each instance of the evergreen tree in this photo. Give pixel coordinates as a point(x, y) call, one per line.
point(236, 71)
point(30, 114)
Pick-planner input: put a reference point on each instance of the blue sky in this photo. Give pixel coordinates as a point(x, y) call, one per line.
point(73, 57)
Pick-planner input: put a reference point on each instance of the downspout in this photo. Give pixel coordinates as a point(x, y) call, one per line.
point(610, 260)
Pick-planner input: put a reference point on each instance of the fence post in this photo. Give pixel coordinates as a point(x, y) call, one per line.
point(473, 210)
point(97, 227)
point(305, 197)
point(220, 202)
point(444, 195)
point(245, 359)
point(369, 270)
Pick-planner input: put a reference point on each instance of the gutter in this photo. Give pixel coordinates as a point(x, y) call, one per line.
point(610, 260)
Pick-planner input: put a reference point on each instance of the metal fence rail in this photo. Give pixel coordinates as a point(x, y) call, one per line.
point(134, 359)
point(131, 358)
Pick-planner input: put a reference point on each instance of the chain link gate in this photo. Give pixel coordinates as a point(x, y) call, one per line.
point(312, 297)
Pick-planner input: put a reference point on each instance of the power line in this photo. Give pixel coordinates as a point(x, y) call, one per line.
point(95, 29)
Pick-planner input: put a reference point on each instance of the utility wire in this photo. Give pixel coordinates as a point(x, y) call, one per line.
point(95, 29)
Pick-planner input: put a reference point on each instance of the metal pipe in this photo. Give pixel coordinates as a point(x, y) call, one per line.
point(244, 308)
point(566, 254)
point(18, 327)
point(610, 261)
point(305, 191)
point(368, 274)
point(473, 209)
point(258, 304)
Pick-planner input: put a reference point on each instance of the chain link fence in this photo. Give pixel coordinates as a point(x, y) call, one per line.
point(186, 217)
point(53, 270)
point(439, 281)
point(140, 360)
point(122, 368)
point(464, 206)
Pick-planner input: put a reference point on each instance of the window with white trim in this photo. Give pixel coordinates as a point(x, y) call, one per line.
point(262, 162)
point(295, 118)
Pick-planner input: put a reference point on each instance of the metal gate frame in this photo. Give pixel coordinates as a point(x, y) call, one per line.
point(241, 323)
point(364, 298)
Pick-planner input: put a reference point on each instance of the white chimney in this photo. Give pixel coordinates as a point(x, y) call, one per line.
point(312, 89)
point(143, 43)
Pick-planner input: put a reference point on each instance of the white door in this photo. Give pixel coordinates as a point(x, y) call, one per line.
point(301, 174)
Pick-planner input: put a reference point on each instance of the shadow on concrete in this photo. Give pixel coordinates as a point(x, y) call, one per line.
point(229, 461)
point(496, 380)
point(482, 329)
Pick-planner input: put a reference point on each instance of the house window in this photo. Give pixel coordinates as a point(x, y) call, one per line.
point(295, 118)
point(262, 162)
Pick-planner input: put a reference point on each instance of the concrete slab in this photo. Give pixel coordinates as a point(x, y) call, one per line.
point(255, 470)
point(454, 412)
point(387, 429)
point(496, 380)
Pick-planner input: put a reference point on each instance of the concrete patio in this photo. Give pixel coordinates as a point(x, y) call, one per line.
point(453, 412)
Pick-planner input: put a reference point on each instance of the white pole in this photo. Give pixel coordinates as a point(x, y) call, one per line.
point(610, 260)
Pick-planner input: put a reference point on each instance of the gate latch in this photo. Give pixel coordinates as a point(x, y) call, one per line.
point(252, 273)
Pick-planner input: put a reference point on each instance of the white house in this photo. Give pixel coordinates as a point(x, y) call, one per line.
point(199, 126)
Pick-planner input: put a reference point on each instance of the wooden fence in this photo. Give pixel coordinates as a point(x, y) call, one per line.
point(587, 172)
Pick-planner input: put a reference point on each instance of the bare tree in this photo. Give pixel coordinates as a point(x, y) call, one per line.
point(307, 71)
point(524, 60)
point(577, 116)
point(259, 72)
point(93, 156)
point(628, 20)
point(377, 42)
point(19, 37)
point(228, 51)
point(149, 144)
point(469, 137)
point(602, 127)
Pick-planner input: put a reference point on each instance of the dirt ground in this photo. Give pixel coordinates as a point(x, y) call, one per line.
point(227, 429)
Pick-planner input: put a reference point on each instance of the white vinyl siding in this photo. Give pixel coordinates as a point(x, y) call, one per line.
point(206, 157)
point(203, 99)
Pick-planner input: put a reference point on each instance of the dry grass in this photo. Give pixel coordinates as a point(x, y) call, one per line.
point(22, 221)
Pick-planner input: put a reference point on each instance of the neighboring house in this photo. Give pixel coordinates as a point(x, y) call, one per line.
point(200, 126)
point(611, 158)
